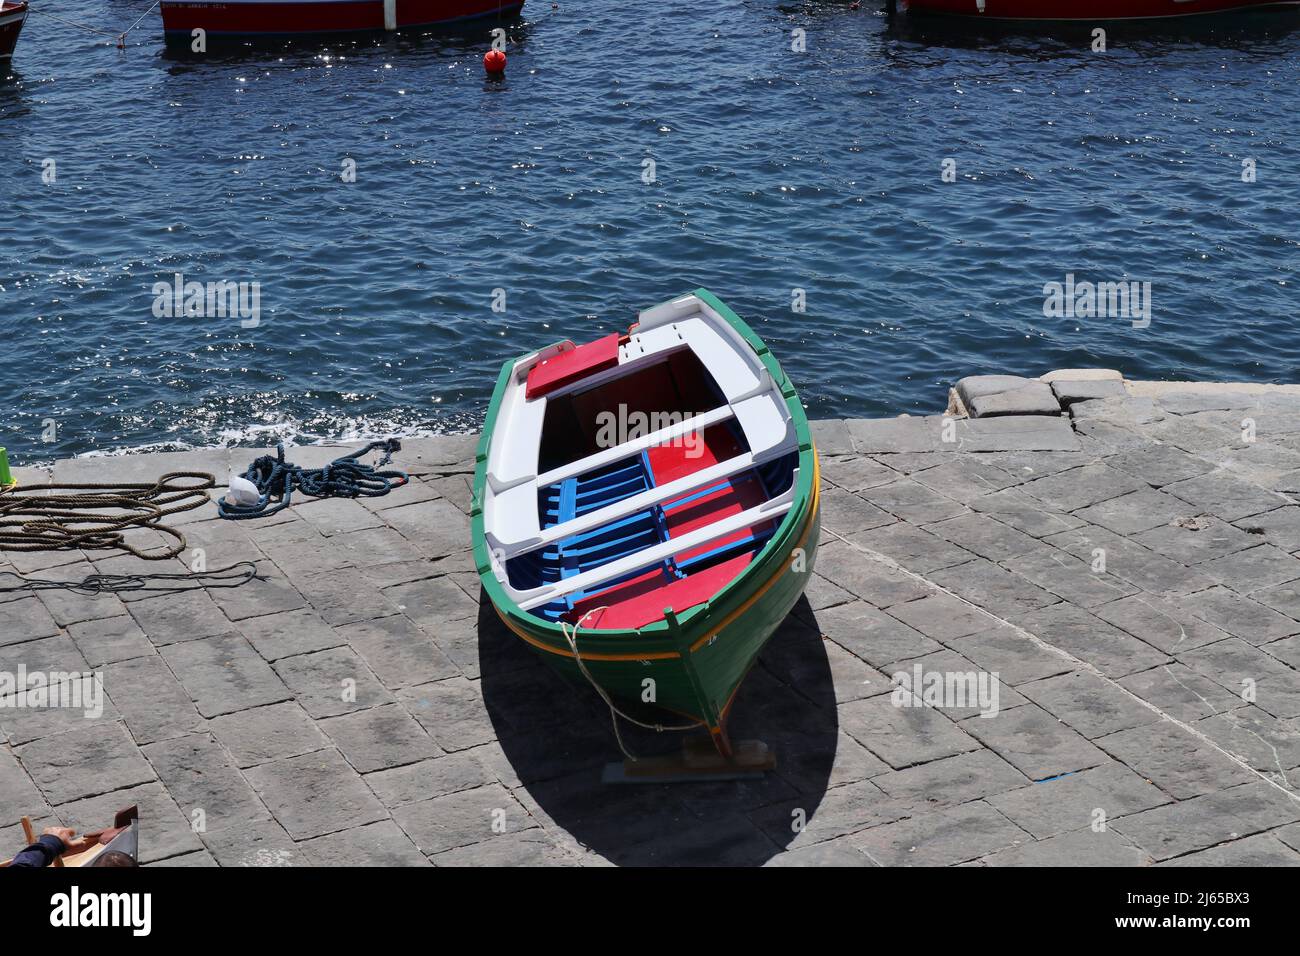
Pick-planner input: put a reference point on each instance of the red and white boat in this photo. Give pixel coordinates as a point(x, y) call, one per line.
point(1088, 9)
point(253, 19)
point(12, 18)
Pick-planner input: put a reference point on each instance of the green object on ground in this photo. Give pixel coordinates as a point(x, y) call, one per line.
point(698, 658)
point(6, 479)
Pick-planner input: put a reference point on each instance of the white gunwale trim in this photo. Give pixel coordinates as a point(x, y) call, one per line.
point(536, 597)
point(638, 502)
point(610, 455)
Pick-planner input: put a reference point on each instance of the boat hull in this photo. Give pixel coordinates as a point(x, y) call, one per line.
point(1089, 10)
point(696, 673)
point(277, 18)
point(11, 25)
point(698, 657)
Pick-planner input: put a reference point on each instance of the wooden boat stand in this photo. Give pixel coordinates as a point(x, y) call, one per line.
point(698, 761)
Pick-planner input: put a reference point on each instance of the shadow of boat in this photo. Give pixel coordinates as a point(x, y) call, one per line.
point(557, 738)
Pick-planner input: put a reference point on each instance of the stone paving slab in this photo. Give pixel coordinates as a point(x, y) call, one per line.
point(1002, 593)
point(1247, 671)
point(1072, 801)
point(952, 781)
point(872, 635)
point(1004, 650)
point(1068, 577)
point(1035, 742)
point(1174, 829)
point(944, 838)
point(913, 548)
point(1068, 391)
point(984, 536)
point(223, 675)
point(85, 762)
point(203, 780)
point(966, 479)
point(17, 791)
point(1252, 735)
point(22, 725)
point(1260, 850)
point(110, 640)
point(903, 736)
point(1181, 692)
point(155, 706)
point(1089, 704)
point(262, 734)
point(1197, 540)
point(1013, 507)
point(315, 794)
point(1080, 848)
point(1128, 574)
point(1110, 650)
point(375, 844)
point(1179, 764)
point(380, 738)
point(1130, 562)
point(463, 818)
point(1016, 433)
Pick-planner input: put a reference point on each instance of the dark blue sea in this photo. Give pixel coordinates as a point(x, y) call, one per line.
point(774, 171)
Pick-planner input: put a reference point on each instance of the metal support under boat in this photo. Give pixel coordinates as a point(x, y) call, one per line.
point(698, 762)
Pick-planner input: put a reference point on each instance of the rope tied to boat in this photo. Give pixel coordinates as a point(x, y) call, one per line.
point(614, 713)
point(120, 36)
point(275, 480)
point(96, 517)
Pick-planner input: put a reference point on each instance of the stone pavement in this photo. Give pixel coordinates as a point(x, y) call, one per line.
point(1129, 571)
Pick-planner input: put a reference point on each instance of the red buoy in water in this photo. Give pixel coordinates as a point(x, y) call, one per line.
point(494, 61)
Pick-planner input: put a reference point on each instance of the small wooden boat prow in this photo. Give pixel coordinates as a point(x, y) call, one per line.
point(122, 837)
point(649, 500)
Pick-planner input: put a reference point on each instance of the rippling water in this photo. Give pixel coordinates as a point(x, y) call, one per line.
point(775, 171)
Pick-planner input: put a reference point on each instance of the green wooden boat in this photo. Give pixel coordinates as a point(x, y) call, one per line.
point(650, 501)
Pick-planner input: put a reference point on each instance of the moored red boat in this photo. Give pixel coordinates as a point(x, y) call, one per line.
point(1088, 9)
point(253, 19)
point(646, 508)
point(12, 17)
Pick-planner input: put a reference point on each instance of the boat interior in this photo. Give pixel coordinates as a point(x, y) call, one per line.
point(664, 460)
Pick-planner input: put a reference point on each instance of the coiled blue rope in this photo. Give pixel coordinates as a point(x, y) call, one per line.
point(346, 477)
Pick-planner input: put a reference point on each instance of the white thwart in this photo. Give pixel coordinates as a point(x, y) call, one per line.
point(750, 396)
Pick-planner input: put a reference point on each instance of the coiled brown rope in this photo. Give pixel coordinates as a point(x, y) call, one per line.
point(96, 517)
